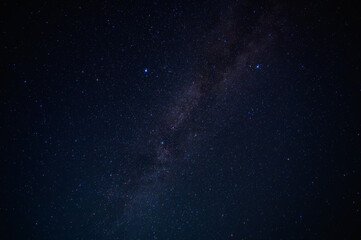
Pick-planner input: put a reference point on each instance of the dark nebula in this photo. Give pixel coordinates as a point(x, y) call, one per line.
point(180, 120)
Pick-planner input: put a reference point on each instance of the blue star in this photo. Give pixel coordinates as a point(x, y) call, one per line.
point(162, 142)
point(258, 66)
point(146, 70)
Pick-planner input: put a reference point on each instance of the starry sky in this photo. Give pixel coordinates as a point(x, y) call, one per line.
point(180, 120)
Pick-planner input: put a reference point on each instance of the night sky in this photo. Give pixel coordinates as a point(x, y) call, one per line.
point(180, 120)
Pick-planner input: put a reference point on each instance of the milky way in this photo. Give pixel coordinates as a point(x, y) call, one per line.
point(230, 55)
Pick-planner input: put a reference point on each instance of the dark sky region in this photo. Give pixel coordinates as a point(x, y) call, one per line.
point(180, 120)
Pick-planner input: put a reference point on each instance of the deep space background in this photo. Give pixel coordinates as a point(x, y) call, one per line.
point(180, 120)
